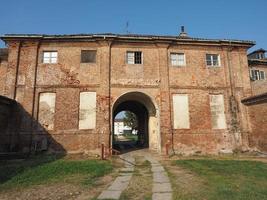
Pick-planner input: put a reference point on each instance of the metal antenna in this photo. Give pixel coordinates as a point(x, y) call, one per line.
point(127, 27)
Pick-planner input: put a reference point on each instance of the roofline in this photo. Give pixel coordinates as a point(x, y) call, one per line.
point(104, 36)
point(257, 62)
point(257, 99)
point(258, 50)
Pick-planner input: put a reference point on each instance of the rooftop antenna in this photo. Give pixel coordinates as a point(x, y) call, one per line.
point(127, 27)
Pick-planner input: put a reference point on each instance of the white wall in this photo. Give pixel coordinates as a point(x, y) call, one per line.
point(180, 111)
point(217, 112)
point(46, 111)
point(87, 112)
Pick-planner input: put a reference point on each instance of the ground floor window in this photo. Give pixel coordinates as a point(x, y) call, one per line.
point(217, 111)
point(180, 111)
point(87, 110)
point(46, 110)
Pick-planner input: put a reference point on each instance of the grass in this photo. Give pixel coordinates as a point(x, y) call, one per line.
point(49, 169)
point(227, 179)
point(131, 137)
point(140, 186)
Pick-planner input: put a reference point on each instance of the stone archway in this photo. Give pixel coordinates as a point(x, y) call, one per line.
point(143, 107)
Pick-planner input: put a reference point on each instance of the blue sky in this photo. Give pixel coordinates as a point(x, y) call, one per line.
point(230, 19)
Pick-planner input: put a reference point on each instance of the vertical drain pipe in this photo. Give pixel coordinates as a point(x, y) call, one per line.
point(170, 101)
point(109, 95)
point(17, 71)
point(34, 95)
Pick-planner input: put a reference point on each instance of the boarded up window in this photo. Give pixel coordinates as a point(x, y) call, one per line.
point(88, 56)
point(87, 113)
point(180, 111)
point(217, 111)
point(46, 110)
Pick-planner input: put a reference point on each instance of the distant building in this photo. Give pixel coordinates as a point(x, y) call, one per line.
point(257, 63)
point(120, 127)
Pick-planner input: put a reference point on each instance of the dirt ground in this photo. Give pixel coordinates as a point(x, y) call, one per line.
point(57, 191)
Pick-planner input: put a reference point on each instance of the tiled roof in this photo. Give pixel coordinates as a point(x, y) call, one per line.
point(125, 36)
point(262, 62)
point(257, 51)
point(261, 98)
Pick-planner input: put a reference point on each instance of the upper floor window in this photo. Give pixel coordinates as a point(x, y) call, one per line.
point(256, 74)
point(177, 59)
point(50, 57)
point(213, 60)
point(134, 57)
point(88, 56)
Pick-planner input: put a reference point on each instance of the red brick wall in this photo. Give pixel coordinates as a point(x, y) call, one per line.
point(155, 77)
point(258, 119)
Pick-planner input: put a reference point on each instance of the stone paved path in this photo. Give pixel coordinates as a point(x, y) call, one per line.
point(161, 190)
point(122, 181)
point(161, 183)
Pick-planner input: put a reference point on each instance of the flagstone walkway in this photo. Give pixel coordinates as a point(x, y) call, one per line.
point(161, 184)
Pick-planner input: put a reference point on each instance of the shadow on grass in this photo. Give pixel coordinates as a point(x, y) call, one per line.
point(21, 139)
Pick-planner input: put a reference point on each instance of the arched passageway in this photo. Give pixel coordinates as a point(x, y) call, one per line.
point(147, 130)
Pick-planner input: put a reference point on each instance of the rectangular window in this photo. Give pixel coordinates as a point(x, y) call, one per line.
point(88, 56)
point(213, 60)
point(134, 57)
point(46, 110)
point(180, 111)
point(50, 57)
point(87, 111)
point(177, 59)
point(262, 75)
point(217, 111)
point(256, 74)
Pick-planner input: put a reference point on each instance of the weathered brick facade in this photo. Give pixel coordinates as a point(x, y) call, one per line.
point(153, 83)
point(257, 106)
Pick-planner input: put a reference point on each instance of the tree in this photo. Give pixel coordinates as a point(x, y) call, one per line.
point(130, 120)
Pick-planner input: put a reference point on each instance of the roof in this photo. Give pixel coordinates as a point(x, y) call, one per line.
point(261, 50)
point(139, 37)
point(262, 62)
point(257, 99)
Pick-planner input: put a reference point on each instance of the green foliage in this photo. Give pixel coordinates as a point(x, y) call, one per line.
point(130, 120)
point(229, 179)
point(28, 173)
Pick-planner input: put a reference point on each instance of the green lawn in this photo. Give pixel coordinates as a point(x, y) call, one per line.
point(131, 137)
point(48, 169)
point(227, 179)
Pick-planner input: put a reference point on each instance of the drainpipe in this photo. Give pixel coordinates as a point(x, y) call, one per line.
point(34, 95)
point(109, 94)
point(17, 71)
point(170, 100)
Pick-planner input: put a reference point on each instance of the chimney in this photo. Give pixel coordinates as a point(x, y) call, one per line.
point(183, 33)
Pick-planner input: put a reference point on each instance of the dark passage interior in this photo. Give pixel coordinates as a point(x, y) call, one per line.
point(141, 114)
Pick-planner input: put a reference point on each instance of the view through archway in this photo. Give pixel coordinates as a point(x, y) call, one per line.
point(135, 123)
point(130, 126)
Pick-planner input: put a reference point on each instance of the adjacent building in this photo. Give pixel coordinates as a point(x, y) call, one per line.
point(257, 63)
point(184, 91)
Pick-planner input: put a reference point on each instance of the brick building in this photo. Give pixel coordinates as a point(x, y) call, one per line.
point(257, 63)
point(185, 91)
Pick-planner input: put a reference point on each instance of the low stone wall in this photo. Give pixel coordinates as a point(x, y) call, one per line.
point(257, 106)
